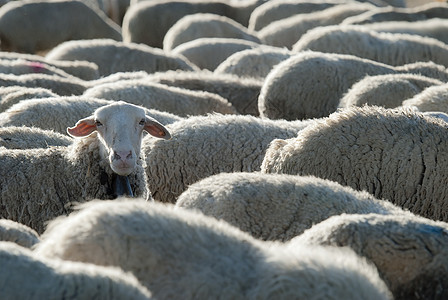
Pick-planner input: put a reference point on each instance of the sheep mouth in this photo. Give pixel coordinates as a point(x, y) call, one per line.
point(122, 169)
point(122, 186)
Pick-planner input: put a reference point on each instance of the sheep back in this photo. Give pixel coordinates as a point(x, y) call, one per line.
point(242, 93)
point(431, 99)
point(253, 63)
point(57, 279)
point(310, 84)
point(206, 145)
point(18, 233)
point(113, 56)
point(204, 25)
point(10, 95)
point(175, 100)
point(277, 206)
point(271, 11)
point(12, 137)
point(143, 15)
point(393, 88)
point(208, 53)
point(409, 251)
point(390, 48)
point(55, 22)
point(394, 154)
point(191, 249)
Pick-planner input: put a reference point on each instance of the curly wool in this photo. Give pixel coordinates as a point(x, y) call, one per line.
point(430, 10)
point(410, 252)
point(395, 49)
point(10, 95)
point(202, 25)
point(393, 88)
point(394, 154)
point(54, 24)
point(37, 185)
point(242, 93)
point(179, 101)
point(272, 11)
point(186, 255)
point(62, 86)
point(206, 145)
point(84, 70)
point(12, 137)
point(253, 63)
point(49, 278)
point(432, 99)
point(311, 84)
point(18, 233)
point(142, 15)
point(286, 32)
point(277, 206)
point(208, 53)
point(126, 57)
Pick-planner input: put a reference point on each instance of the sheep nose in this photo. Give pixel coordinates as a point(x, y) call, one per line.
point(122, 155)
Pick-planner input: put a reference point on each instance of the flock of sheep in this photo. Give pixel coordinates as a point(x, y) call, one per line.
point(224, 149)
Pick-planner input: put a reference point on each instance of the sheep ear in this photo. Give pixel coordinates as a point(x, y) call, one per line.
point(156, 129)
point(83, 127)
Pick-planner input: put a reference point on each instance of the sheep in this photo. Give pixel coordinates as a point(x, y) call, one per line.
point(425, 68)
point(59, 85)
point(126, 57)
point(286, 32)
point(10, 95)
point(82, 69)
point(163, 14)
point(13, 137)
point(148, 14)
point(272, 11)
point(255, 63)
point(242, 93)
point(58, 113)
point(392, 88)
point(202, 146)
point(433, 98)
point(277, 206)
point(55, 113)
point(388, 3)
point(203, 25)
point(390, 48)
point(311, 84)
point(411, 14)
point(178, 101)
point(241, 11)
point(114, 9)
point(208, 53)
point(40, 184)
point(394, 154)
point(51, 22)
point(18, 233)
point(436, 114)
point(435, 28)
point(27, 276)
point(20, 67)
point(187, 255)
point(118, 76)
point(410, 252)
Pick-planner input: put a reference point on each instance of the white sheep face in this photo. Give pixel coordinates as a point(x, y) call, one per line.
point(120, 126)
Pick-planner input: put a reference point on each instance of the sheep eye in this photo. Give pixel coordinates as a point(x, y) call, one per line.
point(142, 122)
point(98, 123)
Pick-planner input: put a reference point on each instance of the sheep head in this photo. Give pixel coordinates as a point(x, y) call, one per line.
point(120, 126)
